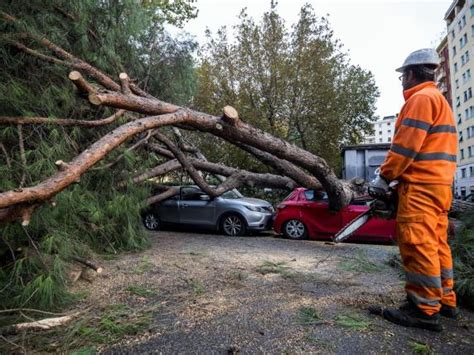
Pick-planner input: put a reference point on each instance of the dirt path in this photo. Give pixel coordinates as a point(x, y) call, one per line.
point(212, 294)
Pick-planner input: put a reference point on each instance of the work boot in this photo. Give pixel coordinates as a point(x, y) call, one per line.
point(449, 312)
point(410, 316)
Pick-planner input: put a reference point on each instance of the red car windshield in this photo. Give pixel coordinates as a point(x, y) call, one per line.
point(291, 196)
point(315, 195)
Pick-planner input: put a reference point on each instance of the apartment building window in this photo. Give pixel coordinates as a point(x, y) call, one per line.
point(463, 173)
point(459, 25)
point(461, 139)
point(472, 12)
point(380, 140)
point(472, 30)
point(471, 170)
point(470, 132)
point(469, 151)
point(465, 96)
point(459, 118)
point(464, 76)
point(462, 154)
point(380, 132)
point(469, 93)
point(462, 60)
point(455, 67)
point(454, 47)
point(464, 20)
point(452, 34)
point(471, 111)
point(458, 101)
point(463, 40)
point(457, 83)
point(468, 74)
point(389, 139)
point(466, 114)
point(466, 56)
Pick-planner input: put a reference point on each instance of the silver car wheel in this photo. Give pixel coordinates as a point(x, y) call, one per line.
point(295, 229)
point(151, 221)
point(233, 225)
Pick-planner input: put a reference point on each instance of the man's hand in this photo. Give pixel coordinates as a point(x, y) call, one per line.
point(378, 187)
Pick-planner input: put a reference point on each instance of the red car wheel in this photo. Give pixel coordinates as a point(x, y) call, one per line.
point(295, 229)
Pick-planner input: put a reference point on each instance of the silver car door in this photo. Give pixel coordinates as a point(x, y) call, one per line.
point(196, 207)
point(169, 210)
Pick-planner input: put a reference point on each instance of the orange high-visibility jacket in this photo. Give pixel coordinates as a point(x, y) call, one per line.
point(424, 146)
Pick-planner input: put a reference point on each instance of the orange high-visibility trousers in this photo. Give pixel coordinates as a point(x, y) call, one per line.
point(422, 223)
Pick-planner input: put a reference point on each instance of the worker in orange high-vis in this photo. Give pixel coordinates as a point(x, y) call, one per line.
point(423, 159)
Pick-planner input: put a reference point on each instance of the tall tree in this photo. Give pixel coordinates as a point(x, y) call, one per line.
point(117, 36)
point(297, 84)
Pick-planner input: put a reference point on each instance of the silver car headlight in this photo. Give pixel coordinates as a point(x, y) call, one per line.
point(255, 208)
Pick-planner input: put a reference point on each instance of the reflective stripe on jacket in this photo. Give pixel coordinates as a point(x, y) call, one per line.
point(424, 146)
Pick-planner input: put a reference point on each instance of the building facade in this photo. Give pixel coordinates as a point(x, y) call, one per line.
point(460, 42)
point(383, 131)
point(443, 73)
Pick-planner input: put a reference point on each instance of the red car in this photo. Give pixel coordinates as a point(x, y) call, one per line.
point(305, 213)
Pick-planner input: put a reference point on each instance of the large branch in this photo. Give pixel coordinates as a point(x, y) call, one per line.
point(198, 178)
point(67, 59)
point(72, 171)
point(60, 122)
point(251, 178)
point(283, 167)
point(340, 192)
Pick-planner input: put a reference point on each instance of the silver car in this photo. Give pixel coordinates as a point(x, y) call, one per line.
point(230, 213)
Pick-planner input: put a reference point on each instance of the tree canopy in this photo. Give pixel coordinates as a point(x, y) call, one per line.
point(116, 36)
point(297, 83)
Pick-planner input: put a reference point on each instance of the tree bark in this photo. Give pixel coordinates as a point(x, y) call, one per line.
point(83, 162)
point(340, 193)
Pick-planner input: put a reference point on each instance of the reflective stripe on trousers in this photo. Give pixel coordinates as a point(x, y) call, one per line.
point(422, 225)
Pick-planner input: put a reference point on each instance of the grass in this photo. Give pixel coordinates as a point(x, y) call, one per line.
point(361, 264)
point(141, 291)
point(238, 275)
point(280, 268)
point(97, 327)
point(352, 321)
point(420, 348)
point(308, 316)
point(196, 285)
point(199, 254)
point(144, 265)
point(320, 343)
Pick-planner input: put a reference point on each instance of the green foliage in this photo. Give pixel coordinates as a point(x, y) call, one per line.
point(462, 247)
point(144, 265)
point(297, 84)
point(353, 321)
point(360, 263)
point(196, 285)
point(279, 267)
point(91, 216)
point(420, 348)
point(140, 291)
point(308, 316)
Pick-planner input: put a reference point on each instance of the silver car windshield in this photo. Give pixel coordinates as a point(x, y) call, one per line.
point(231, 195)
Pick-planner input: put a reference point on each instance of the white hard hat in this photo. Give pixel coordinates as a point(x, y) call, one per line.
point(425, 56)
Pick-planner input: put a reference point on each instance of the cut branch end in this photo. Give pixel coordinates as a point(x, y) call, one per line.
point(231, 116)
point(82, 85)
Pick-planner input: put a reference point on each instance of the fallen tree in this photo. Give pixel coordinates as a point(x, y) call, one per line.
point(298, 166)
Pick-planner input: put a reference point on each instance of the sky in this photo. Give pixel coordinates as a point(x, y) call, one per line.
point(377, 34)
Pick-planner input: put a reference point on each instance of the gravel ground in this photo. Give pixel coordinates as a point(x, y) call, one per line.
point(247, 294)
